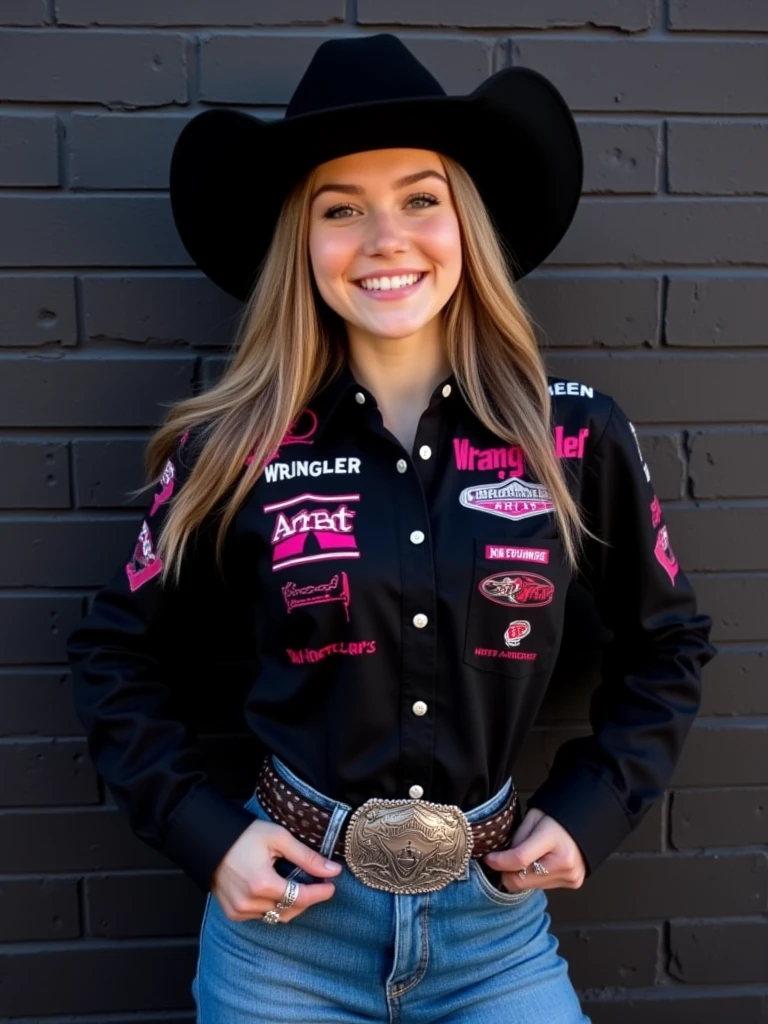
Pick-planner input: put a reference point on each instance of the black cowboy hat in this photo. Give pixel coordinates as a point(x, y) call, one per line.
point(515, 135)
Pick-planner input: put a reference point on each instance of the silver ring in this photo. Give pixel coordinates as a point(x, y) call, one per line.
point(271, 917)
point(539, 868)
point(523, 872)
point(290, 894)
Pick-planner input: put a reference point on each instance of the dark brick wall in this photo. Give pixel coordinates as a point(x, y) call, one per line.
point(658, 295)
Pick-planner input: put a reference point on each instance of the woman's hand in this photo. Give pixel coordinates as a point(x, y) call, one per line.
point(540, 838)
point(246, 883)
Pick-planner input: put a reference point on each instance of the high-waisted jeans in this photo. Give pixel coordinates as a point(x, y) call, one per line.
point(469, 953)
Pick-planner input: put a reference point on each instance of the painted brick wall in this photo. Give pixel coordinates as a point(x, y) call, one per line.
point(658, 295)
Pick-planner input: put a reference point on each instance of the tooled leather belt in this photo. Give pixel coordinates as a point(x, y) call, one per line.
point(308, 822)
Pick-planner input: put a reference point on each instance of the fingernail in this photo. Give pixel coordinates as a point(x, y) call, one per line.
point(333, 866)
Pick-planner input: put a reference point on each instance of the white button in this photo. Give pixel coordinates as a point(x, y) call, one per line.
point(359, 397)
point(419, 708)
point(420, 620)
point(402, 465)
point(446, 390)
point(425, 451)
point(417, 792)
point(417, 537)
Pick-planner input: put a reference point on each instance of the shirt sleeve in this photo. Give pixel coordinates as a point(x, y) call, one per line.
point(600, 786)
point(126, 700)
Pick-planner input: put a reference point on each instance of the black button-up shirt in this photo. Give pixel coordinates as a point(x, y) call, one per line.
point(397, 616)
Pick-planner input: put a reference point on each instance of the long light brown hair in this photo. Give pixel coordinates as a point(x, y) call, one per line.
point(287, 339)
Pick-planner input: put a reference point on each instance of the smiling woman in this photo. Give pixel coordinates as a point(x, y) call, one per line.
point(358, 506)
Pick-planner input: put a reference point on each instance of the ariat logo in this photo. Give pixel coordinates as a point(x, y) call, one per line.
point(330, 526)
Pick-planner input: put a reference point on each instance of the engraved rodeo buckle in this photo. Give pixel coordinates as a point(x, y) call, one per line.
point(407, 846)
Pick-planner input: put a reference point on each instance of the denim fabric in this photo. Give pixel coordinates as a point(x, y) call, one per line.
point(470, 953)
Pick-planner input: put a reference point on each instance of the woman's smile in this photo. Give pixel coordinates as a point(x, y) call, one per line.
point(386, 288)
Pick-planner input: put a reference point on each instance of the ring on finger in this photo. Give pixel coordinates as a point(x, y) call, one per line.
point(271, 917)
point(289, 896)
point(539, 868)
point(523, 872)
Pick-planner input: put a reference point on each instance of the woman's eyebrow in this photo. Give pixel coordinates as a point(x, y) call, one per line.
point(358, 190)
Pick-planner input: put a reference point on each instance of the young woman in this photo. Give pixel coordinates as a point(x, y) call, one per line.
point(373, 519)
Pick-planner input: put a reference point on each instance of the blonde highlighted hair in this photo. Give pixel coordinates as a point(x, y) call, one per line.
point(287, 339)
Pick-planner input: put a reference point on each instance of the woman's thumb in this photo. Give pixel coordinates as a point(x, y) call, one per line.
point(310, 860)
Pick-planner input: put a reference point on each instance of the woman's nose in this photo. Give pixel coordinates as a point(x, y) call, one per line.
point(384, 236)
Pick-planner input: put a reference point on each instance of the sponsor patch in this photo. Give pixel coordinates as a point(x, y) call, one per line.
point(522, 588)
point(509, 461)
point(655, 511)
point(337, 589)
point(664, 554)
point(331, 527)
point(490, 652)
point(516, 631)
point(571, 387)
point(301, 431)
point(496, 552)
point(316, 467)
point(308, 655)
point(510, 499)
point(144, 563)
point(167, 478)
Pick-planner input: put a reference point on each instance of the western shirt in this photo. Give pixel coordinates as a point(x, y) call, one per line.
point(396, 617)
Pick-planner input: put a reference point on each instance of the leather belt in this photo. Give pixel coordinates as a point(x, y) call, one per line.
point(401, 846)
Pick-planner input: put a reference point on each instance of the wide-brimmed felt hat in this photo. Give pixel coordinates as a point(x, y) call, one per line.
point(231, 171)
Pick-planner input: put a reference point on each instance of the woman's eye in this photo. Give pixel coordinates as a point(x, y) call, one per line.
point(423, 199)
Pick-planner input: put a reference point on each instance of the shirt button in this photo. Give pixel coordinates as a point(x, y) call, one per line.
point(417, 792)
point(417, 537)
point(420, 620)
point(425, 451)
point(359, 397)
point(402, 465)
point(419, 708)
point(446, 390)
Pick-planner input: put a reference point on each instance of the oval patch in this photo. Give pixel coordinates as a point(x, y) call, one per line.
point(521, 589)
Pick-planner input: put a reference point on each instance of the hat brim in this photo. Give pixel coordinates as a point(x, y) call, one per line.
point(515, 135)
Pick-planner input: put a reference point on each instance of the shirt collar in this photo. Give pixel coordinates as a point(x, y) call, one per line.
point(340, 391)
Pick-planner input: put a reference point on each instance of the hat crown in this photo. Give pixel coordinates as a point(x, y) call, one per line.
point(361, 70)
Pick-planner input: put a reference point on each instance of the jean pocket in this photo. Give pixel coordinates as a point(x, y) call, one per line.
point(488, 881)
point(284, 867)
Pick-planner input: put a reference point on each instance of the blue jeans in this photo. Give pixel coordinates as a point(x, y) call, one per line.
point(469, 953)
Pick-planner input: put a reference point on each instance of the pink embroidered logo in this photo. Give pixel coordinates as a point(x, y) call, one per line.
point(332, 530)
point(354, 648)
point(145, 563)
point(337, 589)
point(510, 461)
point(167, 478)
point(516, 631)
point(655, 512)
point(525, 588)
point(306, 421)
point(664, 554)
point(495, 552)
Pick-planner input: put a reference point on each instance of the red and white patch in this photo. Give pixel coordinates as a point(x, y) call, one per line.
point(522, 588)
point(145, 563)
point(665, 555)
point(516, 631)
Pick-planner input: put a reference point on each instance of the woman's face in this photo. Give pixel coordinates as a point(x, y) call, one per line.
point(384, 239)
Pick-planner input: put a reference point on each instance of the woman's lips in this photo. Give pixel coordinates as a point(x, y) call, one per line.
point(390, 294)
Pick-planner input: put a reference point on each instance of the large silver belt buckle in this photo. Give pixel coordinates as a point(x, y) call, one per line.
point(407, 846)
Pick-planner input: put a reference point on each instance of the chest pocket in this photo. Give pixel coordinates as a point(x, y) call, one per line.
point(515, 614)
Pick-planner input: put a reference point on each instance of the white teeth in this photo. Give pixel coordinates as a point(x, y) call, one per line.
point(389, 283)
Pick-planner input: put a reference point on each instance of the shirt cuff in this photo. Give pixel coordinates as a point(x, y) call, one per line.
point(588, 809)
point(201, 830)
